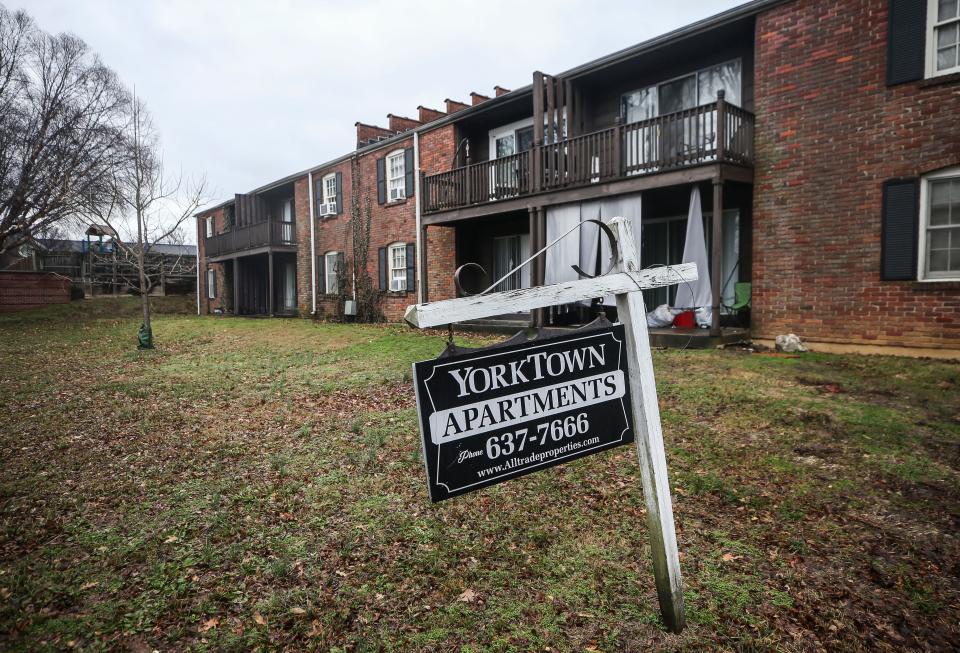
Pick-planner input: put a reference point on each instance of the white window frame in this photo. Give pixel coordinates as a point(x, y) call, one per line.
point(399, 181)
point(392, 269)
point(209, 227)
point(330, 189)
point(211, 283)
point(330, 269)
point(931, 35)
point(924, 221)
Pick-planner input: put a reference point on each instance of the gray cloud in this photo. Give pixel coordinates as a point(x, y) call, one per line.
point(247, 92)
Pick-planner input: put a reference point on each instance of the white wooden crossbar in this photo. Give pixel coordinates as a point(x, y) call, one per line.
point(449, 311)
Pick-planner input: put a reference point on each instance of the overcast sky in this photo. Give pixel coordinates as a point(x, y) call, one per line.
point(248, 92)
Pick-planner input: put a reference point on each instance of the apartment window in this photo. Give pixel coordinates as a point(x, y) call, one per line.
point(209, 227)
point(397, 255)
point(396, 183)
point(330, 189)
point(684, 92)
point(331, 265)
point(943, 24)
point(940, 225)
point(211, 284)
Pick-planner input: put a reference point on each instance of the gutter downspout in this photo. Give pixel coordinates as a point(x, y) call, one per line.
point(198, 265)
point(416, 192)
point(313, 248)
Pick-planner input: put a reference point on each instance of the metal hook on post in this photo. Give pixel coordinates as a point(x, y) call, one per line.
point(456, 277)
point(614, 250)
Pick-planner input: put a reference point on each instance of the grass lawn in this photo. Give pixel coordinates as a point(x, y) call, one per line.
point(257, 484)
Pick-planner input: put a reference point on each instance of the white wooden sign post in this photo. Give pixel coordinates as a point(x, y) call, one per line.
point(626, 284)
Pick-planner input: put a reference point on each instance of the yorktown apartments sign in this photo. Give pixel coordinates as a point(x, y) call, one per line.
point(497, 414)
point(490, 415)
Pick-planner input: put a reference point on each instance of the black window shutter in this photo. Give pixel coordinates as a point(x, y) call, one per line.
point(381, 181)
point(906, 40)
point(408, 172)
point(411, 267)
point(382, 258)
point(317, 195)
point(340, 264)
point(339, 192)
point(322, 273)
point(898, 240)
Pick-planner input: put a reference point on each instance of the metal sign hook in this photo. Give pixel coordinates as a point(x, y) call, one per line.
point(614, 257)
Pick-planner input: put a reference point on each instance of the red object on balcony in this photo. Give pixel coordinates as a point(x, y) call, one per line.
point(685, 320)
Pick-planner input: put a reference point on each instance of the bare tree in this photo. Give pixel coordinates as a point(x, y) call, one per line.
point(146, 207)
point(62, 114)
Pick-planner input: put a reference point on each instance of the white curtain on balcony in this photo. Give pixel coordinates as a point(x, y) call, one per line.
point(627, 206)
point(566, 253)
point(696, 294)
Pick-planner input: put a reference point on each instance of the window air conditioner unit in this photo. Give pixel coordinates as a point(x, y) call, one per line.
point(330, 208)
point(396, 194)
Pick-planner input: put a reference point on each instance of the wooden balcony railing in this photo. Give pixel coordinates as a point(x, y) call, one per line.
point(260, 234)
point(715, 132)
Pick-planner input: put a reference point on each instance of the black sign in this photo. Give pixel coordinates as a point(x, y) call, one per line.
point(495, 414)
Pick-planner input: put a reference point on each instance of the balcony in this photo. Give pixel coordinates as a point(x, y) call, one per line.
point(718, 132)
point(261, 234)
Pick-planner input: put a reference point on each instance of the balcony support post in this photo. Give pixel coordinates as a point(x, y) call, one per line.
point(424, 266)
point(270, 283)
point(716, 247)
point(236, 285)
point(721, 125)
point(536, 155)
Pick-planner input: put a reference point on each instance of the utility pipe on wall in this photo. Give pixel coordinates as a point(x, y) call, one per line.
point(416, 192)
point(313, 248)
point(199, 236)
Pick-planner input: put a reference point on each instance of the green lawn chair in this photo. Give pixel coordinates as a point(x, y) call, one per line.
point(742, 293)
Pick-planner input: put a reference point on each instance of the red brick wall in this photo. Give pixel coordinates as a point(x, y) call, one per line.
point(390, 223)
point(829, 132)
point(437, 148)
point(220, 302)
point(332, 233)
point(24, 290)
point(401, 123)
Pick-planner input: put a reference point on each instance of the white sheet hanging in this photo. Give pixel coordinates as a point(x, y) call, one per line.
point(627, 206)
point(696, 294)
point(566, 253)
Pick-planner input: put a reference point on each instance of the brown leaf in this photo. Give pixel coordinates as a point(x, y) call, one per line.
point(467, 596)
point(259, 619)
point(170, 540)
point(209, 623)
point(298, 611)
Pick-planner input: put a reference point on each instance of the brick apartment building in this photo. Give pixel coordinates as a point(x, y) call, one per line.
point(826, 132)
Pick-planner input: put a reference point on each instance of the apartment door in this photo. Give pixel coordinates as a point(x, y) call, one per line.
point(289, 275)
point(286, 222)
point(508, 253)
point(662, 244)
point(506, 174)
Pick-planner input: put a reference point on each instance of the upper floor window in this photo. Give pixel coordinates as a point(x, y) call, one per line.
point(684, 92)
point(943, 24)
point(396, 181)
point(209, 227)
point(397, 255)
point(940, 225)
point(330, 188)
